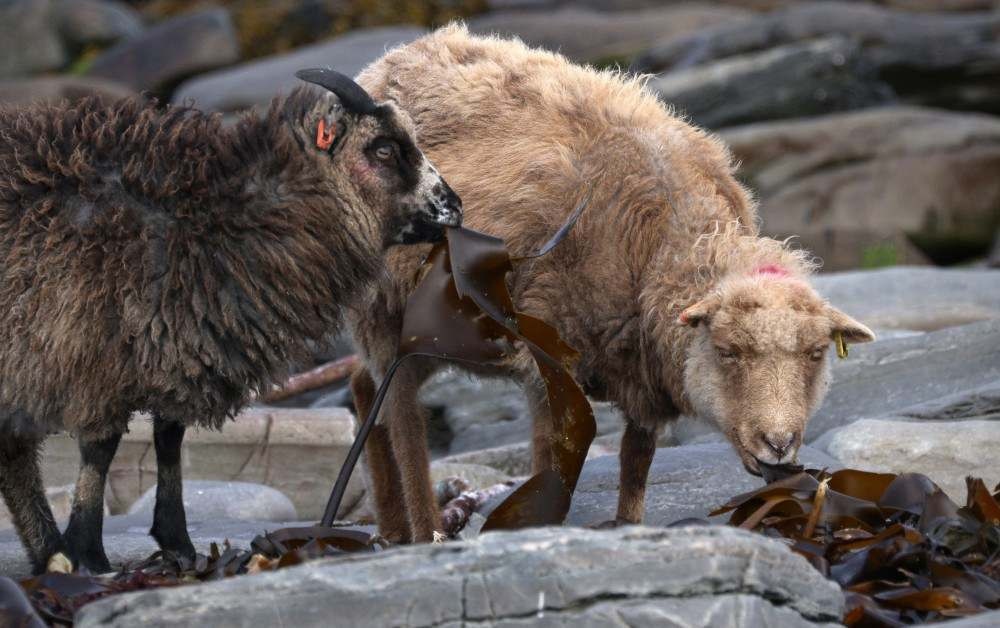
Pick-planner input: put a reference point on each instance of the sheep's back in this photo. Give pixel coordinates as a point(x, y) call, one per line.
point(522, 135)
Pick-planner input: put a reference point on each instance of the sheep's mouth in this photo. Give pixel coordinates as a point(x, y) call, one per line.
point(422, 230)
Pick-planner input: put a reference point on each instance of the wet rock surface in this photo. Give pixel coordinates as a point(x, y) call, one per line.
point(642, 577)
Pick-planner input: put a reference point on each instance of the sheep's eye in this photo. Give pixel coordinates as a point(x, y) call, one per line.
point(726, 354)
point(384, 151)
point(816, 355)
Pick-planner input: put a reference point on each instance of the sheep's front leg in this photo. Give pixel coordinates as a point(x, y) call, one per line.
point(169, 520)
point(385, 481)
point(84, 534)
point(541, 424)
point(636, 454)
point(407, 423)
point(24, 494)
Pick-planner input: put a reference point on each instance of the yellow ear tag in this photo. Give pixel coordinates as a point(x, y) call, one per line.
point(838, 337)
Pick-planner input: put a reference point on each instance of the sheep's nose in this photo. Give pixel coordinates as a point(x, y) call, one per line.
point(780, 443)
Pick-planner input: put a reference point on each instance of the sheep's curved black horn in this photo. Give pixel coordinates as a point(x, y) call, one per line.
point(352, 96)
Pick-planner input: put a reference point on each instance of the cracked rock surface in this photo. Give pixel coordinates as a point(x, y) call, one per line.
point(696, 576)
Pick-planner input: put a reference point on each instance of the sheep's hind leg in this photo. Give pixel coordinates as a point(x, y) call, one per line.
point(84, 534)
point(169, 520)
point(21, 485)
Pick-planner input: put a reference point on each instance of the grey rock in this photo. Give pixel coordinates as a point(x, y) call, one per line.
point(60, 500)
point(686, 481)
point(978, 403)
point(477, 476)
point(486, 413)
point(206, 500)
point(547, 577)
point(29, 39)
point(945, 451)
point(994, 259)
point(514, 459)
point(171, 51)
point(893, 173)
point(53, 89)
point(912, 298)
point(127, 540)
point(989, 619)
point(913, 53)
point(892, 375)
point(296, 451)
point(611, 37)
point(789, 81)
point(86, 22)
point(254, 84)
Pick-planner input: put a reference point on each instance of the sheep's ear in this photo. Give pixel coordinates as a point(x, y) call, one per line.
point(850, 329)
point(699, 312)
point(352, 96)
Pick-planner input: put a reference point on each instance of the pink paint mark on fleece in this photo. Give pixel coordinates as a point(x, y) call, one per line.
point(773, 270)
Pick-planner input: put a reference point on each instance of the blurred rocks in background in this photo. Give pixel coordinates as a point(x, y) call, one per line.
point(254, 84)
point(170, 51)
point(927, 174)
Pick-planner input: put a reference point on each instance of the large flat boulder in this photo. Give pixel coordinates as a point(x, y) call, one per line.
point(945, 451)
point(686, 481)
point(254, 84)
point(891, 376)
point(922, 174)
point(914, 298)
point(550, 577)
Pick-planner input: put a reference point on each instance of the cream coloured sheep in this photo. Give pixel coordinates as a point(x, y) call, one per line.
point(664, 285)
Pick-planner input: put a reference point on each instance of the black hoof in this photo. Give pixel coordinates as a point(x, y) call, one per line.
point(95, 563)
point(175, 543)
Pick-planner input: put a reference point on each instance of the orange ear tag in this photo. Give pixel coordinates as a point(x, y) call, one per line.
point(324, 136)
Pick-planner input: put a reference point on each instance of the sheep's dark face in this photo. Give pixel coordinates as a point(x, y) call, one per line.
point(371, 149)
point(395, 174)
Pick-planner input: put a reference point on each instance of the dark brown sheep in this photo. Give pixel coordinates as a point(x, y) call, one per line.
point(152, 259)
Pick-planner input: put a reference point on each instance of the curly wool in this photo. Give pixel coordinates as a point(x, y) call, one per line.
point(152, 259)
